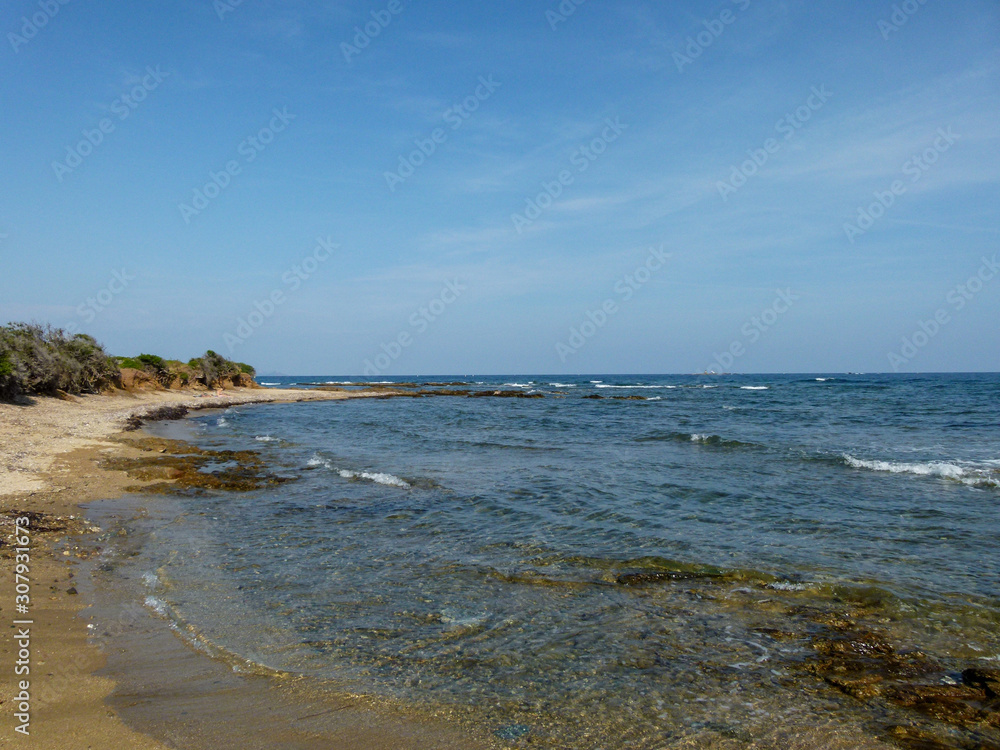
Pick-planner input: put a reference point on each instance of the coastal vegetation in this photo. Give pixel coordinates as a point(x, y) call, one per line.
point(40, 359)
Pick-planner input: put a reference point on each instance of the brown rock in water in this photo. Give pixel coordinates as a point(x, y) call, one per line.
point(641, 579)
point(915, 738)
point(950, 703)
point(861, 687)
point(986, 679)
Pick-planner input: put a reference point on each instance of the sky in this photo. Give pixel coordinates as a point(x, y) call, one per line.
point(421, 187)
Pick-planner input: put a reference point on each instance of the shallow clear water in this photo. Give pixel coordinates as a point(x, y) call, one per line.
point(601, 572)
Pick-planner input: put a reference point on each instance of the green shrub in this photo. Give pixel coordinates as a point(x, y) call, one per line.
point(214, 368)
point(128, 362)
point(42, 359)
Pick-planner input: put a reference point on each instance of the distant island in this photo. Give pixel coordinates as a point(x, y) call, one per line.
point(38, 359)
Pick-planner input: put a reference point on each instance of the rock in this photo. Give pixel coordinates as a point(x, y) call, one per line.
point(512, 731)
point(861, 687)
point(641, 579)
point(71, 590)
point(985, 679)
point(950, 703)
point(919, 739)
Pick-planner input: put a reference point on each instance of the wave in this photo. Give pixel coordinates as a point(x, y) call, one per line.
point(563, 385)
point(636, 386)
point(378, 477)
point(700, 438)
point(755, 387)
point(221, 422)
point(520, 385)
point(265, 439)
point(263, 383)
point(966, 473)
point(157, 605)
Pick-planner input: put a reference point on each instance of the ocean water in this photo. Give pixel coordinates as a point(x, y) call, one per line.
point(596, 573)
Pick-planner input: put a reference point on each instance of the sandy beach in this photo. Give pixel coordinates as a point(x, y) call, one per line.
point(49, 454)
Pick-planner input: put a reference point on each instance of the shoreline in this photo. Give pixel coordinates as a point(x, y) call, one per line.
point(50, 450)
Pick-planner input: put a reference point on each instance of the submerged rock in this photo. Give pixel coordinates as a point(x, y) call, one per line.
point(512, 731)
point(987, 679)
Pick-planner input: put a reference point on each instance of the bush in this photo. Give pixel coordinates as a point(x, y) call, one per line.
point(214, 368)
point(42, 359)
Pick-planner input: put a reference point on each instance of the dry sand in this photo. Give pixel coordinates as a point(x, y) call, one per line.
point(49, 451)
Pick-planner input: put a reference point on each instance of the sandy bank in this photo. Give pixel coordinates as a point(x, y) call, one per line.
point(49, 454)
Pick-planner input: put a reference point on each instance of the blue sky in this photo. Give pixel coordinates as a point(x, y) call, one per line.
point(708, 159)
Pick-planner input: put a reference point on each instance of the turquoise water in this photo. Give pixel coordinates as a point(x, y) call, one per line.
point(579, 572)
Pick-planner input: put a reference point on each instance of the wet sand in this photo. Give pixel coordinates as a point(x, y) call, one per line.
point(153, 689)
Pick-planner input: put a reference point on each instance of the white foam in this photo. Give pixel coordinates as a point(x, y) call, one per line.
point(821, 380)
point(563, 385)
point(636, 386)
point(263, 383)
point(378, 477)
point(655, 398)
point(150, 580)
point(787, 586)
point(265, 439)
point(157, 605)
point(318, 460)
point(700, 437)
point(221, 422)
point(520, 385)
point(976, 476)
point(754, 388)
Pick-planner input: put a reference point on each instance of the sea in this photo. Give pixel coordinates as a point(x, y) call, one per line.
point(625, 561)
